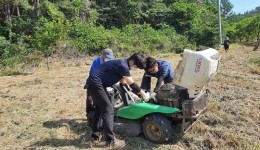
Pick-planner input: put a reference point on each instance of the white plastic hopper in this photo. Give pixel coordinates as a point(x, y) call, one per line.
point(196, 69)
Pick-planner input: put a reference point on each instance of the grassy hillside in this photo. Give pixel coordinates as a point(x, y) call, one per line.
point(46, 109)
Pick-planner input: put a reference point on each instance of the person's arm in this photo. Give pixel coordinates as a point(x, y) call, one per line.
point(158, 83)
point(136, 89)
point(146, 82)
point(124, 86)
point(162, 74)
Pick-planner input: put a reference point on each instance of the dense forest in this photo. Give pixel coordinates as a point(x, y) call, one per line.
point(31, 30)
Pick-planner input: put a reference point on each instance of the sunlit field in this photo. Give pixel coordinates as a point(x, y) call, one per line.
point(46, 109)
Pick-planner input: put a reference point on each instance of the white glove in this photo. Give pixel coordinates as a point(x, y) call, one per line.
point(153, 96)
point(146, 97)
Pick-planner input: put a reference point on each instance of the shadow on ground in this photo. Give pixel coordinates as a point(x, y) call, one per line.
point(76, 126)
point(83, 132)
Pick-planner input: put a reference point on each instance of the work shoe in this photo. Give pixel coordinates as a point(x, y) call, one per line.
point(115, 144)
point(94, 142)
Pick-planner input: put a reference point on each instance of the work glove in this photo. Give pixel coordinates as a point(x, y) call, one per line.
point(153, 96)
point(146, 97)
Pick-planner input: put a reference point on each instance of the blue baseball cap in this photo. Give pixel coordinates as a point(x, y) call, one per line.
point(108, 53)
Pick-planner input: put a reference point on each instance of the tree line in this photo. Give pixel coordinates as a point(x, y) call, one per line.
point(244, 27)
point(33, 29)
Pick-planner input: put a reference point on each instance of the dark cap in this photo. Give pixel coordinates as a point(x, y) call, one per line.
point(108, 53)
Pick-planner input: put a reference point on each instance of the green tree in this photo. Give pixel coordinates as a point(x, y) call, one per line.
point(246, 29)
point(254, 26)
point(183, 16)
point(156, 13)
point(225, 7)
point(89, 38)
point(47, 34)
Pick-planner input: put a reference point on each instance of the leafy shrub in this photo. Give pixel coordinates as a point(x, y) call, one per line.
point(145, 39)
point(13, 54)
point(176, 42)
point(48, 33)
point(8, 53)
point(88, 38)
point(4, 44)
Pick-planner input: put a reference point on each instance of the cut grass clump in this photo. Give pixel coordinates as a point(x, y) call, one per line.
point(255, 65)
point(255, 60)
point(9, 72)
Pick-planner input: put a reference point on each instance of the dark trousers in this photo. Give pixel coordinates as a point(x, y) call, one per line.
point(103, 109)
point(90, 107)
point(226, 46)
point(89, 104)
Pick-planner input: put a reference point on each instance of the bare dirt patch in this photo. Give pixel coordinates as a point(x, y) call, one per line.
point(46, 110)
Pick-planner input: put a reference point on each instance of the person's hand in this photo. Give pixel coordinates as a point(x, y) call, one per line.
point(135, 97)
point(153, 96)
point(146, 97)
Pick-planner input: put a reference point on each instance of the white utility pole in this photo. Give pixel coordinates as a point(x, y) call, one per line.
point(219, 23)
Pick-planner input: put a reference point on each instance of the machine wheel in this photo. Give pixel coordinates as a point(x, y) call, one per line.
point(157, 128)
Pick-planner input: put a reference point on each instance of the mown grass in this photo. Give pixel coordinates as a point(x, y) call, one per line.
point(255, 65)
point(46, 109)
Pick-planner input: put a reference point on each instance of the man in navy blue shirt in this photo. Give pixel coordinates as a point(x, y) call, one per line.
point(107, 75)
point(106, 56)
point(162, 70)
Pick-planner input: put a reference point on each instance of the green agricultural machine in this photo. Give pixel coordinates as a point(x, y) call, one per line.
point(180, 103)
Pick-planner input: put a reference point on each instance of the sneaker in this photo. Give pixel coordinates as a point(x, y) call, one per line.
point(115, 144)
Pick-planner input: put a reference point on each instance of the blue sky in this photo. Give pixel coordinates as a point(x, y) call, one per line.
point(241, 6)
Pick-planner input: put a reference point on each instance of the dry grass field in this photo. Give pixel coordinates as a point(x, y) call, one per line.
point(46, 109)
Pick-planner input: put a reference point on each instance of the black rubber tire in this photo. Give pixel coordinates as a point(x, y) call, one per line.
point(157, 128)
